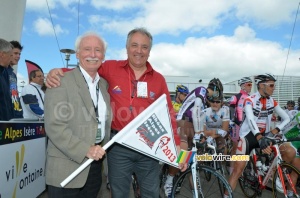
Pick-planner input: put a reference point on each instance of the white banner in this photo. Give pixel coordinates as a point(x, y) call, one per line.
point(22, 171)
point(149, 133)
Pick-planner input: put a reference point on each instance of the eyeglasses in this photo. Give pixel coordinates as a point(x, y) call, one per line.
point(269, 84)
point(216, 101)
point(248, 84)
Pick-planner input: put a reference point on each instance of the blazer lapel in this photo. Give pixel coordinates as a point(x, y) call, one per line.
point(84, 93)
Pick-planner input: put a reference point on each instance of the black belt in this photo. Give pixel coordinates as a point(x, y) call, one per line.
point(114, 132)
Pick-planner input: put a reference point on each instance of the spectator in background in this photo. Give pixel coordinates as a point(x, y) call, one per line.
point(6, 107)
point(32, 96)
point(13, 81)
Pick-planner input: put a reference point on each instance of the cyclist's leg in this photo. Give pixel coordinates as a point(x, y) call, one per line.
point(120, 162)
point(245, 145)
point(220, 141)
point(184, 131)
point(289, 153)
point(147, 173)
point(235, 138)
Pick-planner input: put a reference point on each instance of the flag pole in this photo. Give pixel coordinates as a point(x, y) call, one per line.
point(85, 164)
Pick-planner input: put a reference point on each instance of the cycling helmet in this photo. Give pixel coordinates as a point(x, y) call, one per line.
point(215, 85)
point(264, 77)
point(290, 102)
point(244, 80)
point(182, 89)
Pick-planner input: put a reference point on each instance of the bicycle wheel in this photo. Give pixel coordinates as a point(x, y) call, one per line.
point(162, 178)
point(207, 174)
point(220, 169)
point(249, 181)
point(288, 172)
point(135, 187)
point(205, 188)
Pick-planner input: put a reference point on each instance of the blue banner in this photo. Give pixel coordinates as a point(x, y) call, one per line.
point(11, 132)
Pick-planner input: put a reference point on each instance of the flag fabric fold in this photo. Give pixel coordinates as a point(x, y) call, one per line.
point(31, 66)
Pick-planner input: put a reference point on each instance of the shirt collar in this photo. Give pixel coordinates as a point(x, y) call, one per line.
point(149, 67)
point(244, 92)
point(261, 97)
point(88, 78)
point(35, 84)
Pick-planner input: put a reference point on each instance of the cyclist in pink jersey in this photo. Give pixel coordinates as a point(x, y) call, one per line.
point(236, 111)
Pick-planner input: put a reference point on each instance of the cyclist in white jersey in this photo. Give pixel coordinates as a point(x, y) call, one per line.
point(258, 109)
point(190, 119)
point(216, 121)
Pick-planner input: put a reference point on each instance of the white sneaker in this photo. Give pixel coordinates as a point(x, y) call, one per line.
point(168, 189)
point(290, 194)
point(197, 136)
point(279, 185)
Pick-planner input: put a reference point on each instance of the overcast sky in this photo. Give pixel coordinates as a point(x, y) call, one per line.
point(203, 39)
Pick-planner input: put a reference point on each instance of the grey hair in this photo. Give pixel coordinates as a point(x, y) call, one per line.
point(5, 46)
point(86, 34)
point(142, 31)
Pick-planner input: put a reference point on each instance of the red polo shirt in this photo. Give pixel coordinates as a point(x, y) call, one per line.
point(122, 90)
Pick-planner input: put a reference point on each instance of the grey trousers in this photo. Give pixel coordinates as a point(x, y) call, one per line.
point(122, 162)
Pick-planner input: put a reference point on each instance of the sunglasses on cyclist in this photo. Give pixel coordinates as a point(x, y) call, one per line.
point(248, 84)
point(270, 84)
point(216, 101)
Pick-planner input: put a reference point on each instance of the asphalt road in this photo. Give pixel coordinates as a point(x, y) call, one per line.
point(104, 193)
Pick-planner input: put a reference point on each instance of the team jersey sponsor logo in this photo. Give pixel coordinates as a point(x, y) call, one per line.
point(248, 102)
point(203, 92)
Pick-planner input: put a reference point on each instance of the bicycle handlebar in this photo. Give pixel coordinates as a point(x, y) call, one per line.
point(278, 141)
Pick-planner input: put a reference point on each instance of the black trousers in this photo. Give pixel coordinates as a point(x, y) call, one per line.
point(90, 189)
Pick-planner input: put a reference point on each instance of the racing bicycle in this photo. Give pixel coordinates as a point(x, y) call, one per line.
point(255, 179)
